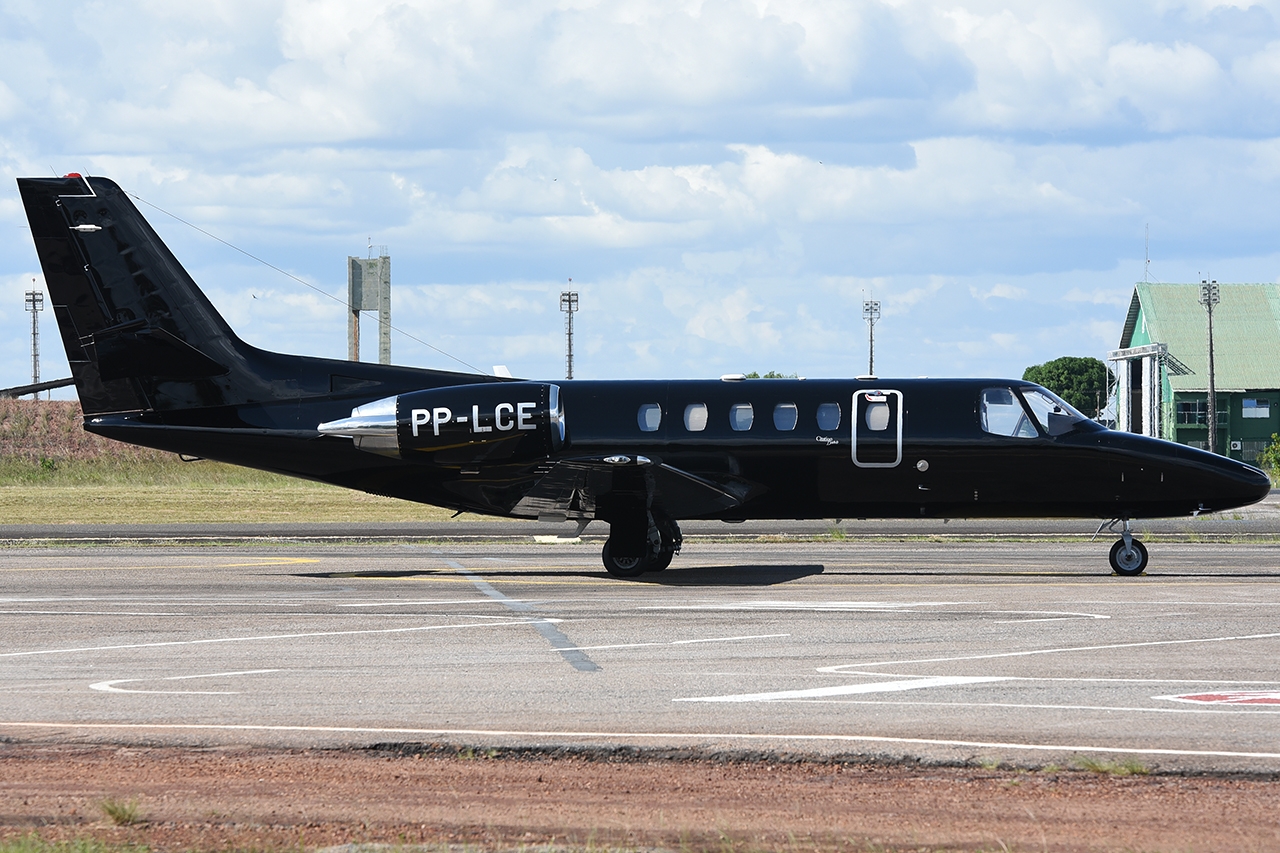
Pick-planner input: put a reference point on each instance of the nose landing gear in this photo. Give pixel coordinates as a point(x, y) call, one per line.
point(1128, 556)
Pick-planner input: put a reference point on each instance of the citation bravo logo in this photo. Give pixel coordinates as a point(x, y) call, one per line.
point(506, 417)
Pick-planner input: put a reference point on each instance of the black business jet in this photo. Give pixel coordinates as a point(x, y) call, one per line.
point(156, 365)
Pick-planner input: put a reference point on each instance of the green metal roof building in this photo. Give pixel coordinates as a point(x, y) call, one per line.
point(1162, 366)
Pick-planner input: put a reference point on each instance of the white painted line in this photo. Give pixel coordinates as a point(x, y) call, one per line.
point(852, 689)
point(562, 644)
point(272, 637)
point(1072, 679)
point(841, 668)
point(683, 642)
point(149, 613)
point(110, 686)
point(1229, 697)
point(411, 603)
point(1040, 615)
point(821, 606)
point(634, 736)
point(1036, 707)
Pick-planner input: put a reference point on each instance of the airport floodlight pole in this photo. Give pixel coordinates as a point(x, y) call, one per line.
point(1210, 297)
point(568, 304)
point(871, 313)
point(35, 304)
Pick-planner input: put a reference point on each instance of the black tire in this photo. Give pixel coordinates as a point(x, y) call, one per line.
point(1128, 562)
point(669, 531)
point(623, 567)
point(661, 560)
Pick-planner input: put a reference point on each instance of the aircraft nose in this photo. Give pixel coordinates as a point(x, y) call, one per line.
point(1237, 484)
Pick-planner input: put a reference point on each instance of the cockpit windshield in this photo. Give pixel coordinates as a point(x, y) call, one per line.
point(1002, 413)
point(1053, 413)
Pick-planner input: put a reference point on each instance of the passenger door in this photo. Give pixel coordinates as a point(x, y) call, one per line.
point(877, 428)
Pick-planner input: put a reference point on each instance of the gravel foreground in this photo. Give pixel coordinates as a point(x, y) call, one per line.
point(480, 800)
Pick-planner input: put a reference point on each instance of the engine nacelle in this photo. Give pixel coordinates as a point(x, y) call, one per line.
point(461, 424)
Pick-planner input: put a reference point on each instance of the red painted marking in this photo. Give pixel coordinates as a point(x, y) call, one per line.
point(1234, 697)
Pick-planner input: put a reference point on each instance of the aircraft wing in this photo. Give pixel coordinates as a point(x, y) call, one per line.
point(570, 488)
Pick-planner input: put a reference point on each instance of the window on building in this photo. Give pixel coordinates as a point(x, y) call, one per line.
point(1192, 412)
point(695, 417)
point(649, 417)
point(1196, 412)
point(1255, 408)
point(785, 416)
point(741, 416)
point(829, 417)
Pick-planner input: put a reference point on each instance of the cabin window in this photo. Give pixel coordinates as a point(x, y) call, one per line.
point(741, 416)
point(1002, 414)
point(1251, 408)
point(785, 416)
point(695, 417)
point(877, 416)
point(829, 417)
point(1053, 413)
point(649, 417)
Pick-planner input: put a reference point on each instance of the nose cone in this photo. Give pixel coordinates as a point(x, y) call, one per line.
point(1231, 484)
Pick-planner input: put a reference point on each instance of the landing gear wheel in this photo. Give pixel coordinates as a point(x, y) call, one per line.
point(624, 567)
point(661, 560)
point(672, 539)
point(1128, 561)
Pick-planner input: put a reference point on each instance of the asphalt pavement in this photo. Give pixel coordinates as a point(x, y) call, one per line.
point(953, 650)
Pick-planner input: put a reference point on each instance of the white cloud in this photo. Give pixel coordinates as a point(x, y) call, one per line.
point(999, 291)
point(1119, 296)
point(727, 179)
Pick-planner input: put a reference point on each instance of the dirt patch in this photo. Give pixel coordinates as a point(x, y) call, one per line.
point(217, 799)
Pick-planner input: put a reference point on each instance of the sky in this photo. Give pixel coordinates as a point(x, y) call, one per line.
point(724, 182)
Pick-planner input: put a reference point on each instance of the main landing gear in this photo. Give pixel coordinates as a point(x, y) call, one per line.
point(626, 555)
point(1128, 556)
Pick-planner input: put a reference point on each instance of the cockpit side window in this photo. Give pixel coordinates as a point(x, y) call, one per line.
point(1053, 413)
point(1001, 413)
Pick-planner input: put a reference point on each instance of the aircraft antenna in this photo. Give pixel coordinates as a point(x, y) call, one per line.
point(35, 304)
point(569, 305)
point(871, 313)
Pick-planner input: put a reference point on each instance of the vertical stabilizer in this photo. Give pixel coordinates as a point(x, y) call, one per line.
point(138, 332)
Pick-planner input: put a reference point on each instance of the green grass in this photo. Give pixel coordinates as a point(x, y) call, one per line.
point(122, 812)
point(1128, 767)
point(121, 491)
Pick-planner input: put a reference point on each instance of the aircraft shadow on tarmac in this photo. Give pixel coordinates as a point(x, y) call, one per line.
point(752, 575)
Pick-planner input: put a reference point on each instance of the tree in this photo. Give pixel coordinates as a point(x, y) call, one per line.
point(1082, 382)
point(1269, 458)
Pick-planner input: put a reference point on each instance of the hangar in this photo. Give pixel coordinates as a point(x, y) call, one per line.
point(1161, 371)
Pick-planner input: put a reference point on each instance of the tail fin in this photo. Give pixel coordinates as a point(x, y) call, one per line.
point(138, 332)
